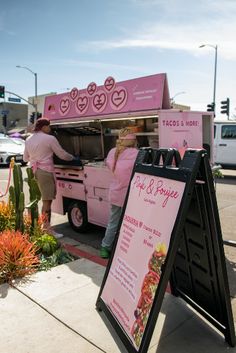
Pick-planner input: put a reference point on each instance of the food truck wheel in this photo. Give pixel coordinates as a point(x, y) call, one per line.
point(77, 216)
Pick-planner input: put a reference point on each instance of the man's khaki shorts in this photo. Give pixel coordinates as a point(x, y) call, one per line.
point(46, 183)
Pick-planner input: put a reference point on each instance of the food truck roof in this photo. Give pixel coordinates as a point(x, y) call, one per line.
point(136, 97)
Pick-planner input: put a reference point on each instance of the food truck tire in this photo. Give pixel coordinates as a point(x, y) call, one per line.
point(77, 216)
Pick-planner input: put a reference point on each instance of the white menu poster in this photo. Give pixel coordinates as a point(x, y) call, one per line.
point(145, 233)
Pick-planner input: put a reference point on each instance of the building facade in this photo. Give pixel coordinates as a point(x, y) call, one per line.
point(15, 116)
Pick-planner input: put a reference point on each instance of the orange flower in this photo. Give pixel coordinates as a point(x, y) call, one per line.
point(17, 256)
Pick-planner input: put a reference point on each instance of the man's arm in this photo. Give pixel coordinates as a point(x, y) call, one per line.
point(59, 151)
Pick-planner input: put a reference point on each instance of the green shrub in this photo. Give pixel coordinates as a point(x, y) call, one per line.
point(46, 243)
point(59, 257)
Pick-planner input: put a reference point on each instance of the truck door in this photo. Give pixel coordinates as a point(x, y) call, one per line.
point(225, 143)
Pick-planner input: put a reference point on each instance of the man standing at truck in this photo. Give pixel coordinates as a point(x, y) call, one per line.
point(39, 150)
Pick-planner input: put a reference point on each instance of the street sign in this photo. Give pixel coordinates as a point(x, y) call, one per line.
point(16, 100)
point(5, 112)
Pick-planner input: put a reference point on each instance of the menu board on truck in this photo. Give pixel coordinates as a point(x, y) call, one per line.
point(180, 131)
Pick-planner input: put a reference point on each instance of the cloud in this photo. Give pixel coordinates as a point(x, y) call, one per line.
point(180, 26)
point(102, 65)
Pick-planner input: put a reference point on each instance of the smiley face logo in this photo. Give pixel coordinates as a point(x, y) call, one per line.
point(74, 93)
point(118, 98)
point(64, 106)
point(99, 101)
point(82, 104)
point(91, 89)
point(109, 84)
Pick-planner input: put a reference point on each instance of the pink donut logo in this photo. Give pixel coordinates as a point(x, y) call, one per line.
point(74, 93)
point(118, 98)
point(109, 84)
point(64, 106)
point(82, 104)
point(91, 89)
point(99, 102)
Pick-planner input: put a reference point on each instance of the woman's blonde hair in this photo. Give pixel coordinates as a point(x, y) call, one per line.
point(126, 139)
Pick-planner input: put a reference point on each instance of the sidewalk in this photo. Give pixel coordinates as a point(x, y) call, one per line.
point(55, 313)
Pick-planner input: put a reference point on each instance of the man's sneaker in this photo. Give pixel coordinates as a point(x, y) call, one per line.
point(104, 253)
point(56, 235)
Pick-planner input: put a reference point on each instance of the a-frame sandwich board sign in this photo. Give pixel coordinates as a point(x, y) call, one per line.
point(199, 273)
point(145, 255)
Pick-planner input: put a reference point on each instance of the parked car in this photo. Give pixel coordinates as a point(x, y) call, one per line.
point(225, 143)
point(9, 148)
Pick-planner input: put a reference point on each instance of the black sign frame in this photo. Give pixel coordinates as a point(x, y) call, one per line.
point(201, 252)
point(194, 166)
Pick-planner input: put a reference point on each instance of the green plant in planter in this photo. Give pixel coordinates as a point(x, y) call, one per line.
point(217, 173)
point(35, 196)
point(46, 243)
point(59, 257)
point(17, 197)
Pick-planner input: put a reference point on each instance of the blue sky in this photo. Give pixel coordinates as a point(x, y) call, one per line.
point(72, 43)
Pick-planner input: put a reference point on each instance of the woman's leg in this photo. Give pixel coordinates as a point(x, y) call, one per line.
point(112, 226)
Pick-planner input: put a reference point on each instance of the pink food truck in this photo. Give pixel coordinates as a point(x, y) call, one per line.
point(86, 123)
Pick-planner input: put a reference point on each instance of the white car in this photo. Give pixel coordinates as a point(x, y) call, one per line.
point(10, 147)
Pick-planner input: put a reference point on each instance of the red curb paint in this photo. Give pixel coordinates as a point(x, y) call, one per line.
point(84, 254)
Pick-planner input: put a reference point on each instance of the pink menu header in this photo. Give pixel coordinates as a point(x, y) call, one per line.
point(140, 94)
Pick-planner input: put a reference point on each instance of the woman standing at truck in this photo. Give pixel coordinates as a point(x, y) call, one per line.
point(120, 161)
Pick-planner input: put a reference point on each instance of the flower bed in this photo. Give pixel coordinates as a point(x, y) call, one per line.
point(22, 254)
point(25, 245)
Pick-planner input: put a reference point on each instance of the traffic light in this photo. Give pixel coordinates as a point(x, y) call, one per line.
point(2, 91)
point(4, 120)
point(211, 107)
point(225, 107)
point(32, 117)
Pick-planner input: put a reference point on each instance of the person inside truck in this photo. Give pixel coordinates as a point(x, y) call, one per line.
point(39, 150)
point(120, 160)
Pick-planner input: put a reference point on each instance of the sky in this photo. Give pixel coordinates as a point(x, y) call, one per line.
point(72, 43)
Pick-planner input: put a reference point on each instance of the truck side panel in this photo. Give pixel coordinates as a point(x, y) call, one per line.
point(97, 181)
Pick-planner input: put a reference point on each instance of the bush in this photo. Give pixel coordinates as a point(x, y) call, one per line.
point(59, 257)
point(7, 216)
point(46, 243)
point(17, 256)
point(24, 254)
